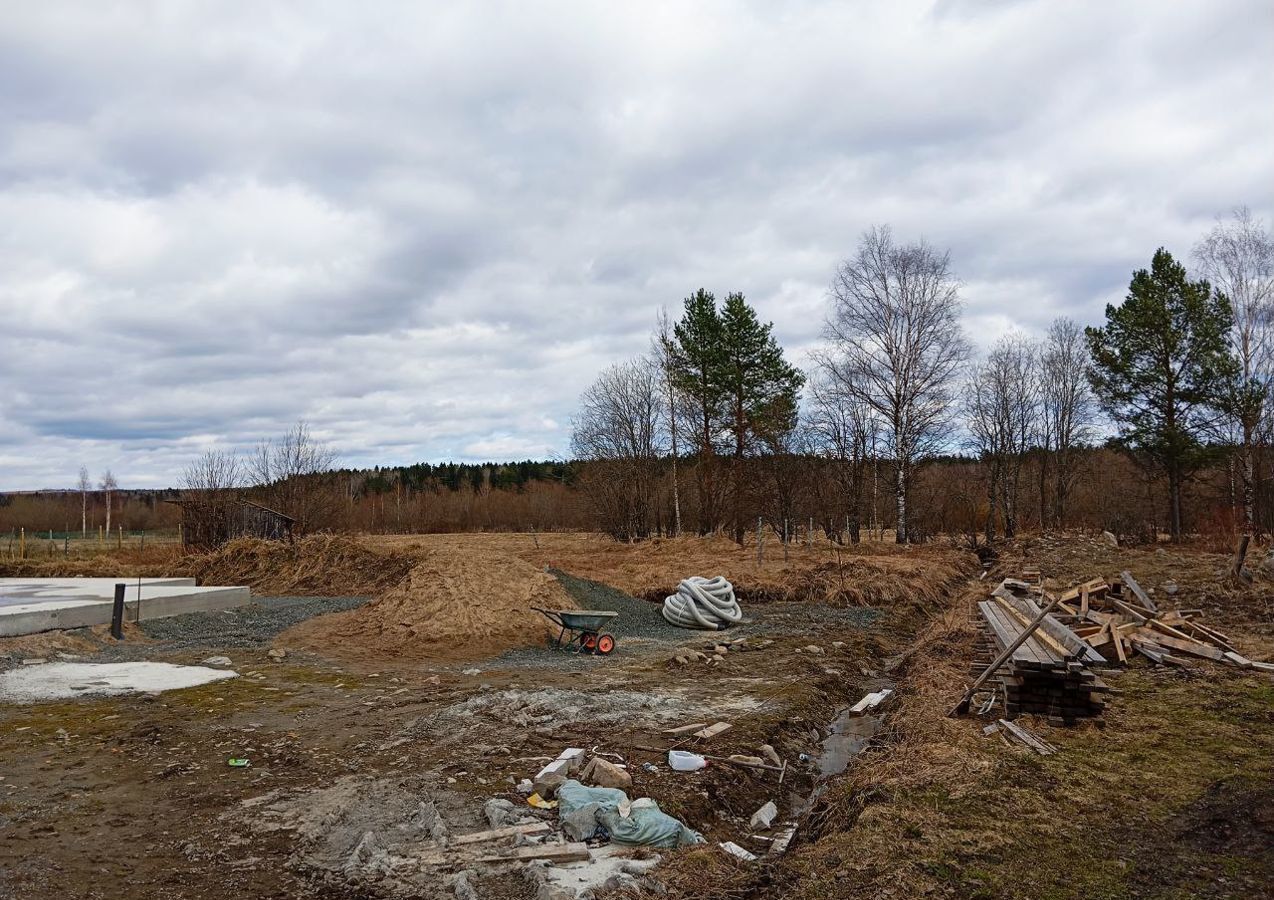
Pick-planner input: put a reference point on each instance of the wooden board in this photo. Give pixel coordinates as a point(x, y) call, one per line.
point(1194, 648)
point(495, 834)
point(558, 853)
point(713, 730)
point(1142, 597)
point(685, 729)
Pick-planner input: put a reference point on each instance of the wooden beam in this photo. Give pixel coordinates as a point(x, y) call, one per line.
point(495, 834)
point(1142, 597)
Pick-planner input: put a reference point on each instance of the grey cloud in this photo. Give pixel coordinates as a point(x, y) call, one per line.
point(426, 229)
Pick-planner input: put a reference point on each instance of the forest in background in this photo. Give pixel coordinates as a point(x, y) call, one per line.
point(1157, 421)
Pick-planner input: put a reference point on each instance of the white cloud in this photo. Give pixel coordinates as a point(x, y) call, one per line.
point(427, 228)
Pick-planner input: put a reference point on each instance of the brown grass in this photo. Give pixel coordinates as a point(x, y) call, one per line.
point(318, 565)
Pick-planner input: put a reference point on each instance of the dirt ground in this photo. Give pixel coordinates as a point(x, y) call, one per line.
point(132, 796)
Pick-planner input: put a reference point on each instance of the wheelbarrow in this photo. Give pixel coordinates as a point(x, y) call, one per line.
point(581, 629)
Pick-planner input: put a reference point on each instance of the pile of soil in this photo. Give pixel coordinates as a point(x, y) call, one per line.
point(451, 605)
point(320, 565)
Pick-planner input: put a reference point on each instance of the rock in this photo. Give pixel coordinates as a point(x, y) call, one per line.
point(768, 642)
point(838, 644)
point(764, 817)
point(1170, 588)
point(1268, 563)
point(525, 787)
point(433, 679)
point(813, 648)
point(217, 661)
point(720, 648)
point(717, 657)
point(604, 773)
point(277, 653)
point(546, 785)
point(1161, 552)
point(1110, 539)
point(499, 812)
point(771, 754)
point(471, 672)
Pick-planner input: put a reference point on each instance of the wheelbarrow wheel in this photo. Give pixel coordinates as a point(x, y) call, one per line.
point(605, 644)
point(589, 643)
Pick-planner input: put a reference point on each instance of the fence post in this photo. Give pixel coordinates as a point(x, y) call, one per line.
point(119, 541)
point(760, 543)
point(22, 544)
point(117, 614)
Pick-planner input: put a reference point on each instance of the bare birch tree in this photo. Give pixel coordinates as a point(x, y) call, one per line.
point(289, 475)
point(843, 430)
point(85, 485)
point(897, 346)
point(108, 486)
point(213, 474)
point(1002, 403)
point(1237, 256)
point(1067, 411)
point(618, 428)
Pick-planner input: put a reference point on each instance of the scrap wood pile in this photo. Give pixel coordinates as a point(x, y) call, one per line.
point(1041, 648)
point(1119, 618)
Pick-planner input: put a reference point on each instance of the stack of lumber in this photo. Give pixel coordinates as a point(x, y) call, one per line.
point(1119, 619)
point(1048, 674)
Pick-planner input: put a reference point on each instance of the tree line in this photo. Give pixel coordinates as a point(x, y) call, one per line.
point(716, 420)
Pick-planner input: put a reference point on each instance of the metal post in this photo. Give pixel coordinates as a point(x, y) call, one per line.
point(117, 614)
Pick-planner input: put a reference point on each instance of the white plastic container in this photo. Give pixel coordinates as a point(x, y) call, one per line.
point(683, 761)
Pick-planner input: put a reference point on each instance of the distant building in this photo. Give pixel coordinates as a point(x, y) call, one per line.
point(207, 524)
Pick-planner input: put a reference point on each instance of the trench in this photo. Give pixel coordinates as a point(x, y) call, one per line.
point(848, 735)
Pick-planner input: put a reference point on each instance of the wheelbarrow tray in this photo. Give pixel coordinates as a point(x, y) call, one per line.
point(586, 620)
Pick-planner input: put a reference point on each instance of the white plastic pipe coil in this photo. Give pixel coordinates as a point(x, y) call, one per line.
point(703, 603)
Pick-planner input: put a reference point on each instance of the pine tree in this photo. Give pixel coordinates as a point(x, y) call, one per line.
point(759, 387)
point(695, 365)
point(1162, 368)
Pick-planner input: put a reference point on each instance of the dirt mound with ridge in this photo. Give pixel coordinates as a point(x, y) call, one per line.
point(451, 605)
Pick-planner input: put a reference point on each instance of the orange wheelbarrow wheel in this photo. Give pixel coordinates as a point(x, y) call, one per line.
point(605, 643)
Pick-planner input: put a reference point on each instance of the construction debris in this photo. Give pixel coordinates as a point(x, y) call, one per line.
point(1045, 655)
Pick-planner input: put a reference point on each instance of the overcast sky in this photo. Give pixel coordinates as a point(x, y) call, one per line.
point(426, 227)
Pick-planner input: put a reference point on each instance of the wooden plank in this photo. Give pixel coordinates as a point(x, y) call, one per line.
point(1194, 648)
point(558, 853)
point(713, 730)
point(1142, 597)
point(1027, 738)
point(1063, 642)
point(1117, 639)
point(1042, 634)
point(494, 834)
point(1083, 599)
point(685, 729)
point(1095, 586)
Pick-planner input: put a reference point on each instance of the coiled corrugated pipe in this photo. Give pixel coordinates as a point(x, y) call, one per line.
point(703, 603)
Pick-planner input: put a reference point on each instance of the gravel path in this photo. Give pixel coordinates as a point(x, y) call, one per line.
point(252, 626)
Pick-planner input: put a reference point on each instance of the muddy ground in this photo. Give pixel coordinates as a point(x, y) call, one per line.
point(132, 796)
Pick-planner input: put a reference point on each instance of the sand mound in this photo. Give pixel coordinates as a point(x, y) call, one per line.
point(321, 565)
point(452, 605)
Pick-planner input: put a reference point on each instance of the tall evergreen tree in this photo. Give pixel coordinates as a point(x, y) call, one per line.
point(1162, 368)
point(695, 365)
point(759, 387)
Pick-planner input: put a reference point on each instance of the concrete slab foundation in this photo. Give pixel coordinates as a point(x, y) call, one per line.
point(31, 605)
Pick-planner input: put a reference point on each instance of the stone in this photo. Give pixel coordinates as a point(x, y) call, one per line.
point(277, 653)
point(433, 679)
point(1110, 538)
point(771, 754)
point(717, 657)
point(217, 661)
point(1170, 588)
point(604, 773)
point(720, 648)
point(813, 648)
point(526, 787)
point(546, 785)
point(499, 812)
point(838, 644)
point(764, 817)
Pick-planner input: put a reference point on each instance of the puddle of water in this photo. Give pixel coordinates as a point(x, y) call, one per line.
point(849, 734)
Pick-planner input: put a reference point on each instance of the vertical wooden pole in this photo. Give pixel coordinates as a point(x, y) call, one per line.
point(117, 614)
point(22, 544)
